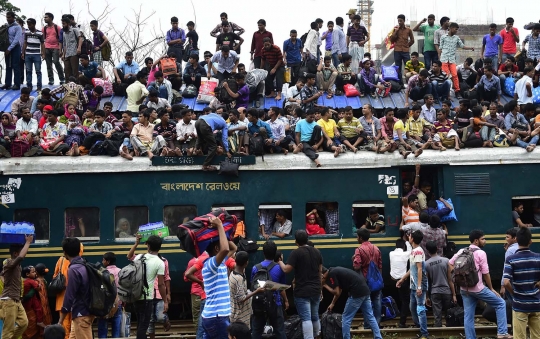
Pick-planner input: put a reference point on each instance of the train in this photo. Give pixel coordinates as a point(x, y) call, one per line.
point(102, 200)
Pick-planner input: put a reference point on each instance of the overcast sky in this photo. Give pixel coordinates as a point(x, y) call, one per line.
point(283, 15)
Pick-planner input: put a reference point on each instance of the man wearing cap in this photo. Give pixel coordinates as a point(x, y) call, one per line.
point(89, 70)
point(175, 39)
point(351, 13)
point(33, 52)
point(533, 39)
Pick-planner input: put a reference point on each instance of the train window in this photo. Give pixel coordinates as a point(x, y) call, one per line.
point(322, 218)
point(239, 211)
point(41, 220)
point(369, 213)
point(175, 215)
point(127, 220)
point(275, 220)
point(83, 223)
point(526, 210)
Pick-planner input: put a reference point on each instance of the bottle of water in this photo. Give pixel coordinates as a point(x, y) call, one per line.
point(32, 229)
point(3, 227)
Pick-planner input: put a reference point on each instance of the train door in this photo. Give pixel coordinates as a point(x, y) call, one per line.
point(429, 179)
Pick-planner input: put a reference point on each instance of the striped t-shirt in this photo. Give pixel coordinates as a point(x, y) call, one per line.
point(408, 214)
point(33, 42)
point(523, 271)
point(240, 311)
point(216, 287)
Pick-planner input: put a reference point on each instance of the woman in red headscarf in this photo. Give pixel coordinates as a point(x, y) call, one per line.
point(312, 224)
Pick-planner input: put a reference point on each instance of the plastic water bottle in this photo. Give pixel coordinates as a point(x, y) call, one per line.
point(284, 91)
point(32, 229)
point(3, 227)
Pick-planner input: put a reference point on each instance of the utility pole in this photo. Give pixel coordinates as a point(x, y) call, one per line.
point(365, 10)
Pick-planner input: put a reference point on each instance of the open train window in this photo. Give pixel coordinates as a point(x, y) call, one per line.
point(239, 211)
point(322, 218)
point(275, 220)
point(41, 220)
point(526, 210)
point(369, 213)
point(175, 215)
point(127, 220)
point(82, 222)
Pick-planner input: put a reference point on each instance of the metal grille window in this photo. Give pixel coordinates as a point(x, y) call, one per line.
point(472, 183)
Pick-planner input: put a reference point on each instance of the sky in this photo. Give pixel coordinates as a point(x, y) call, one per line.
point(282, 15)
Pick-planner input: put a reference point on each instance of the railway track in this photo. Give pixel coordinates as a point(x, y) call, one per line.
point(186, 330)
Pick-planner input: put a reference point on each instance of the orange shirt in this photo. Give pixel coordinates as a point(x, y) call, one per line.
point(409, 215)
point(476, 123)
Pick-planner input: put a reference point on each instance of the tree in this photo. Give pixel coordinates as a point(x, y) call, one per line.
point(6, 6)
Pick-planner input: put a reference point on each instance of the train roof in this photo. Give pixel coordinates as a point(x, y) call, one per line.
point(274, 162)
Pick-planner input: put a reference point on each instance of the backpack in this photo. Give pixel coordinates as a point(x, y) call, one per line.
point(303, 38)
point(102, 290)
point(97, 148)
point(87, 48)
point(4, 37)
point(44, 31)
point(263, 302)
point(221, 93)
point(293, 327)
point(71, 96)
point(248, 245)
point(389, 308)
point(106, 50)
point(465, 273)
point(455, 317)
point(374, 278)
point(331, 325)
point(119, 89)
point(132, 281)
point(190, 91)
point(256, 145)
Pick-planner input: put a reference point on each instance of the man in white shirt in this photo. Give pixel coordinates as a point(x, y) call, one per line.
point(186, 132)
point(523, 92)
point(155, 102)
point(398, 267)
point(428, 111)
point(238, 129)
point(293, 93)
point(312, 41)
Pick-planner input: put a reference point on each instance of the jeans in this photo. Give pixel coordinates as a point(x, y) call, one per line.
point(441, 91)
point(376, 300)
point(116, 322)
point(52, 55)
point(335, 59)
point(308, 150)
point(440, 302)
point(418, 312)
point(161, 89)
point(418, 93)
point(157, 315)
point(469, 306)
point(144, 314)
point(277, 321)
point(308, 310)
point(488, 133)
point(13, 68)
point(200, 329)
point(400, 58)
point(429, 57)
point(351, 307)
point(35, 60)
point(494, 61)
point(506, 55)
point(524, 144)
point(215, 328)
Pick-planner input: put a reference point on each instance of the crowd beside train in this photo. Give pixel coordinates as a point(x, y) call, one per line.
point(320, 64)
point(227, 300)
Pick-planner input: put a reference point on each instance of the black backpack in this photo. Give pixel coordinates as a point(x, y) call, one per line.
point(303, 38)
point(4, 37)
point(221, 93)
point(455, 317)
point(256, 145)
point(331, 325)
point(293, 327)
point(190, 91)
point(263, 302)
point(102, 289)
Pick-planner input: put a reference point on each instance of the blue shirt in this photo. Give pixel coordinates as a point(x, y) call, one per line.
point(509, 120)
point(293, 51)
point(339, 43)
point(216, 287)
point(225, 64)
point(127, 69)
point(15, 33)
point(217, 123)
point(305, 129)
point(490, 84)
point(175, 35)
point(523, 271)
point(89, 71)
point(328, 39)
point(492, 44)
point(276, 275)
point(256, 128)
point(443, 212)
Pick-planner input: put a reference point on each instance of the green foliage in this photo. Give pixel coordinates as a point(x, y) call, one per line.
point(6, 6)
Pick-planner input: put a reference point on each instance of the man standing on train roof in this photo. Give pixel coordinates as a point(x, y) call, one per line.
point(219, 28)
point(205, 127)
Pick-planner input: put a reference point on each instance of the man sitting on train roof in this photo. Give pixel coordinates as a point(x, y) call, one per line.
point(309, 137)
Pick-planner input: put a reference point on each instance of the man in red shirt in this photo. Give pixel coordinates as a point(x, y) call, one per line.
point(272, 61)
point(510, 36)
point(508, 70)
point(363, 255)
point(257, 43)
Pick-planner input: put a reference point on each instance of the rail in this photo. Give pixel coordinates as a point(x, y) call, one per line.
point(186, 330)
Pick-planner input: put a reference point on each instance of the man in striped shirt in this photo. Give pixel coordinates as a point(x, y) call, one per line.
point(409, 211)
point(217, 309)
point(33, 51)
point(521, 277)
point(272, 61)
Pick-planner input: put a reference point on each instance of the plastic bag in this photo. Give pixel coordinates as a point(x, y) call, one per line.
point(251, 66)
point(106, 84)
point(168, 66)
point(452, 215)
point(125, 325)
point(207, 90)
point(287, 75)
point(350, 90)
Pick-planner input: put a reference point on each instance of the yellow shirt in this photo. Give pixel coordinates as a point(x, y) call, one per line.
point(328, 126)
point(416, 127)
point(399, 125)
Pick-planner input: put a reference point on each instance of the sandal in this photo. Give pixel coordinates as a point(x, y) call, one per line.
point(506, 336)
point(209, 168)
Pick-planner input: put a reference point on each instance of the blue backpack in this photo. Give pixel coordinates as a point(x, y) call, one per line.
point(374, 277)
